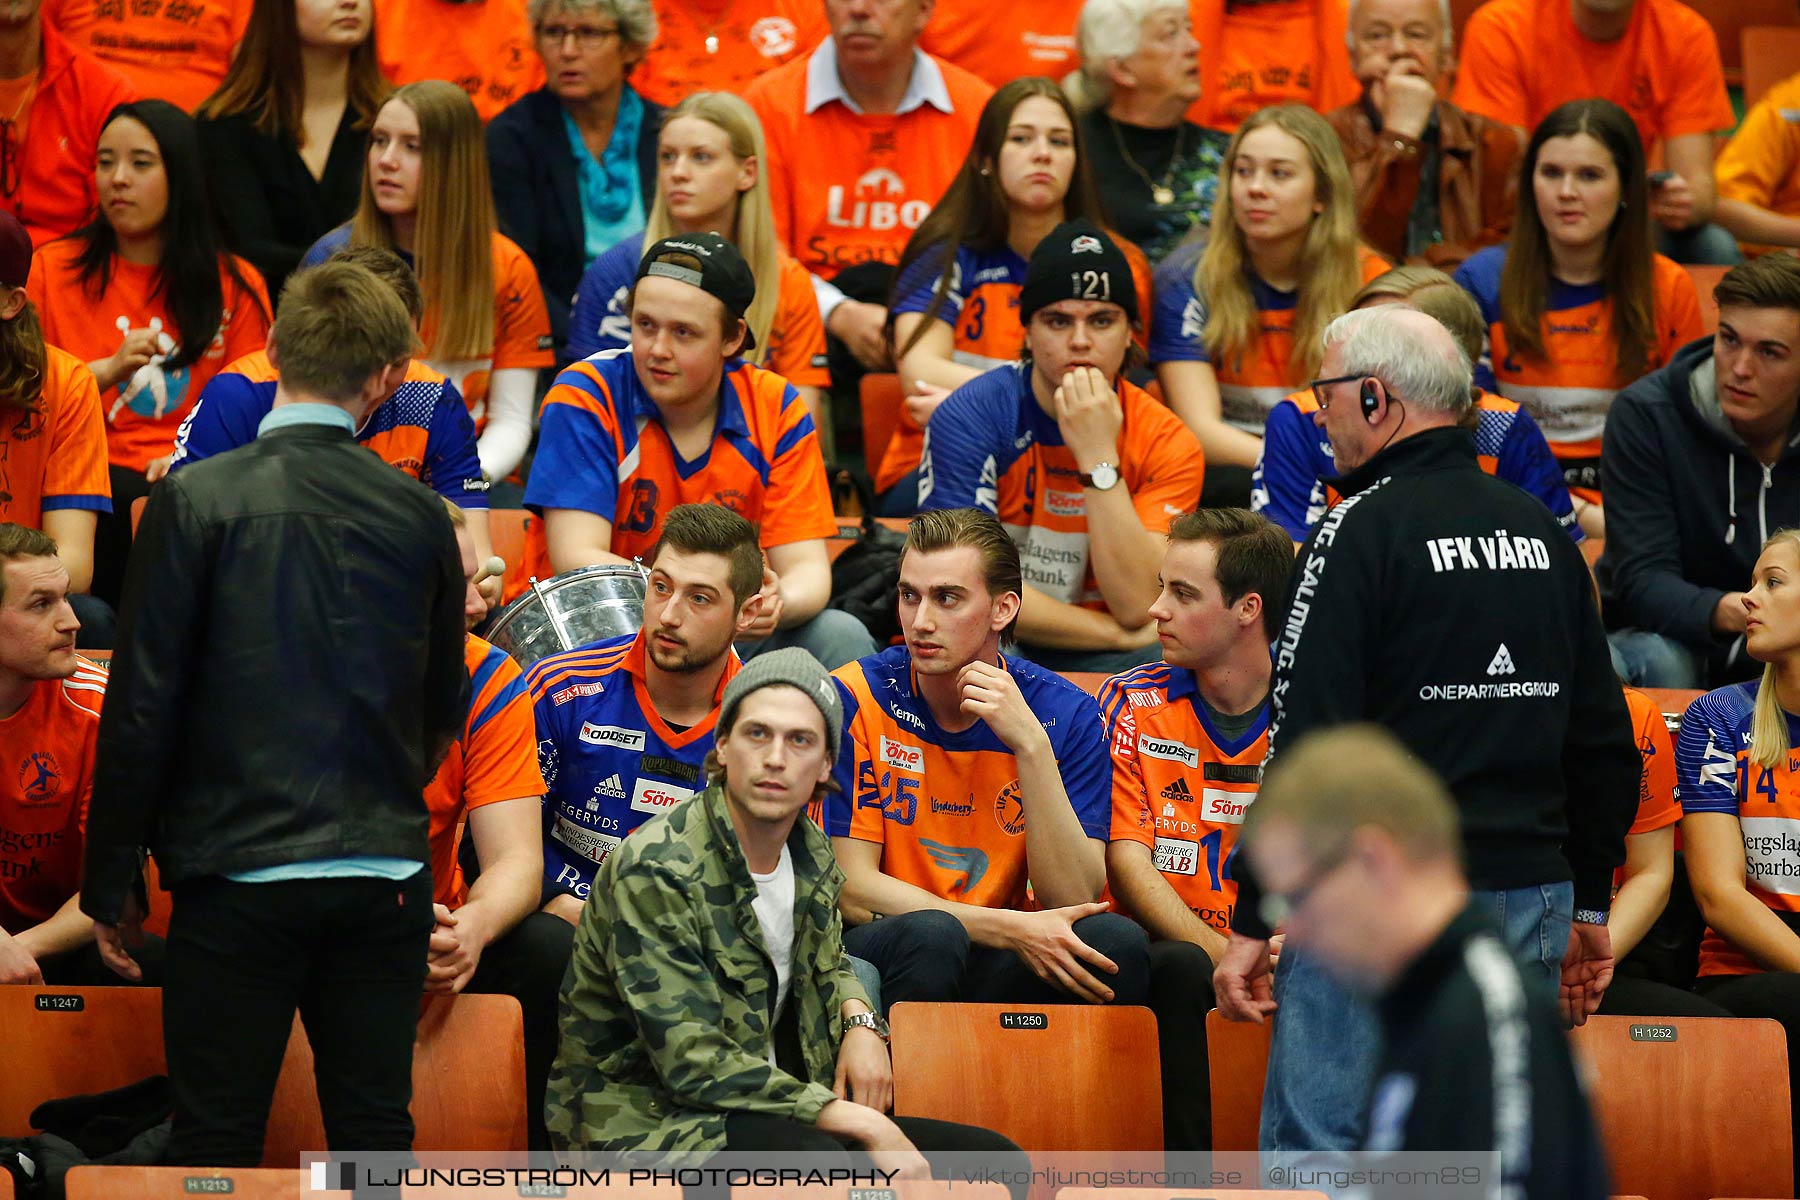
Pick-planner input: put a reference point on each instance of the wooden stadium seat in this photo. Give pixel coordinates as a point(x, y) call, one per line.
point(137, 512)
point(1705, 280)
point(468, 1083)
point(1672, 702)
point(67, 1041)
point(1054, 1085)
point(6, 1186)
point(837, 545)
point(1237, 1060)
point(168, 1183)
point(1771, 54)
point(1591, 550)
point(1729, 18)
point(882, 400)
point(1129, 1193)
point(506, 531)
point(1691, 1106)
point(157, 919)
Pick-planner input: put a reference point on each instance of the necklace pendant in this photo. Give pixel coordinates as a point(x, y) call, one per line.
point(1162, 194)
point(712, 43)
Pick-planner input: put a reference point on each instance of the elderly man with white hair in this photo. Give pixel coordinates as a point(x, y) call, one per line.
point(1140, 71)
point(1434, 184)
point(1448, 606)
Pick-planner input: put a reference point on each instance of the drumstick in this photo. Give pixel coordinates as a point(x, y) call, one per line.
point(495, 565)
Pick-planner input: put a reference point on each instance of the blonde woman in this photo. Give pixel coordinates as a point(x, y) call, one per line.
point(709, 179)
point(1740, 799)
point(1238, 318)
point(425, 195)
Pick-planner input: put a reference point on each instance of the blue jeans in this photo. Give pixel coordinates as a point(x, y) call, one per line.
point(869, 977)
point(834, 637)
point(1327, 1043)
point(1703, 245)
point(1645, 659)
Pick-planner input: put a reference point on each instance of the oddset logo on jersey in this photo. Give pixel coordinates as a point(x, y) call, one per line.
point(652, 797)
point(1164, 748)
point(611, 735)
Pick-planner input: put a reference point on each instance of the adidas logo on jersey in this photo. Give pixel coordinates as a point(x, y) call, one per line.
point(610, 786)
point(1177, 791)
point(1502, 663)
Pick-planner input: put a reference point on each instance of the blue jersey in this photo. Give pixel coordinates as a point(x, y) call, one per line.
point(1292, 483)
point(423, 429)
point(610, 763)
point(946, 807)
point(598, 321)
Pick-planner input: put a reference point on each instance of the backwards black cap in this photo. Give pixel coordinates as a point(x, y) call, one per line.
point(722, 273)
point(1077, 261)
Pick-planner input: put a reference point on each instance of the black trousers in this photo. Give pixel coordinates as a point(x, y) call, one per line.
point(1181, 992)
point(349, 954)
point(112, 537)
point(528, 964)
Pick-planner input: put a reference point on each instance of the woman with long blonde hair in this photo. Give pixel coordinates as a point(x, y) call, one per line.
point(425, 195)
point(1239, 317)
point(1738, 767)
point(710, 179)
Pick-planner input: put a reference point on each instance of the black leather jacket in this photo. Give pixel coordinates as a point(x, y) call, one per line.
point(289, 663)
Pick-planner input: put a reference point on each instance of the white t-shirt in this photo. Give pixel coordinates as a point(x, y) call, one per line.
point(774, 907)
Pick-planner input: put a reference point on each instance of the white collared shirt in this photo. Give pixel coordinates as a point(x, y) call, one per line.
point(823, 84)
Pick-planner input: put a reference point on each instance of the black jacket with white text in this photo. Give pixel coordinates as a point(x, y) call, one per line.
point(1450, 607)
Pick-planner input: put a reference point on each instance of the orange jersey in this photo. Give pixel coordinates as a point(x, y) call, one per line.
point(1569, 391)
point(1179, 786)
point(47, 748)
point(54, 456)
point(602, 449)
point(1253, 382)
point(177, 51)
point(1279, 52)
point(981, 306)
point(1716, 775)
point(992, 446)
point(1760, 165)
point(1521, 58)
point(144, 410)
point(1659, 800)
point(946, 808)
point(486, 49)
point(495, 759)
point(723, 45)
point(848, 187)
point(1004, 42)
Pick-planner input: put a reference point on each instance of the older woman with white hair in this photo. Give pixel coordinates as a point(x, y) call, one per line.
point(574, 163)
point(1140, 70)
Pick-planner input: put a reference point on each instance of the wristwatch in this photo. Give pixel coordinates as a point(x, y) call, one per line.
point(1102, 477)
point(870, 1021)
point(1590, 916)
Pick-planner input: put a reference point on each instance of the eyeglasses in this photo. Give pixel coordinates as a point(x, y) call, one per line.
point(1320, 388)
point(10, 155)
point(587, 37)
point(1275, 908)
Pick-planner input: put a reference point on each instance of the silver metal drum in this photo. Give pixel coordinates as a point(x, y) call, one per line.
point(573, 609)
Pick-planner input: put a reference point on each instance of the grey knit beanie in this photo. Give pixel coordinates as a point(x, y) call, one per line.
point(793, 667)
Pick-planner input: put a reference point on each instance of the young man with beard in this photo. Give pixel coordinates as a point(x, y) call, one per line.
point(624, 724)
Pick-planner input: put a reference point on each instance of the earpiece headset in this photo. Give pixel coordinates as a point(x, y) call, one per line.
point(1371, 400)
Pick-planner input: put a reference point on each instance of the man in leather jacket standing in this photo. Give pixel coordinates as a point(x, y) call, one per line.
point(290, 672)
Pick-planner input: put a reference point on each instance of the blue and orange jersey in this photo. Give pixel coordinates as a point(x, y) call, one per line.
point(1715, 774)
point(602, 449)
point(423, 429)
point(992, 446)
point(495, 759)
point(794, 348)
point(610, 761)
point(1292, 483)
point(981, 306)
point(1179, 786)
point(47, 749)
point(1254, 381)
point(1569, 391)
point(54, 456)
point(947, 808)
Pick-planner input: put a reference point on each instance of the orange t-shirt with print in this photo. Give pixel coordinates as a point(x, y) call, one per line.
point(849, 188)
point(723, 45)
point(174, 50)
point(1004, 42)
point(1280, 52)
point(144, 410)
point(485, 48)
point(46, 782)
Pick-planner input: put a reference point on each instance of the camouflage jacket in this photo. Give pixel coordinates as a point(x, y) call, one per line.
point(667, 1010)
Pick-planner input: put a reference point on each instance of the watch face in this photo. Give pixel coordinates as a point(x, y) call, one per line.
point(1104, 475)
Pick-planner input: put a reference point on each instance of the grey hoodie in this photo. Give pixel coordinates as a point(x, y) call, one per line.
point(1688, 507)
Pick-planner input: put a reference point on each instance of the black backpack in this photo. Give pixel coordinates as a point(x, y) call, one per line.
point(865, 579)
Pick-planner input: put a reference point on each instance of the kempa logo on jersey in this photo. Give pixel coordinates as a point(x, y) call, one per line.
point(611, 786)
point(653, 797)
point(898, 754)
point(1502, 663)
point(907, 718)
point(611, 735)
point(580, 689)
point(1154, 747)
